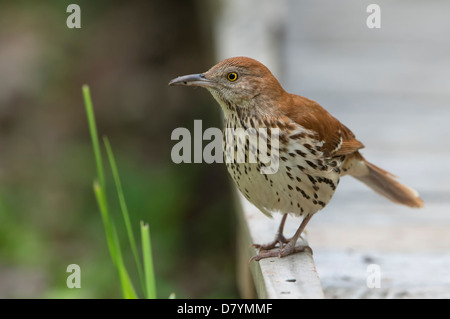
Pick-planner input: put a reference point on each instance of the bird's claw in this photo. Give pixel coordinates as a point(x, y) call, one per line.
point(281, 252)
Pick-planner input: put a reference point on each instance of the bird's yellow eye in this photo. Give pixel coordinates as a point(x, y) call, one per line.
point(232, 76)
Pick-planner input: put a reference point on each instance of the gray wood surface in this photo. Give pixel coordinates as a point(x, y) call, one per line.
point(291, 277)
point(391, 87)
point(254, 28)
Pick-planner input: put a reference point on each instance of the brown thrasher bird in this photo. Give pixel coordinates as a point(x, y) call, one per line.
point(315, 149)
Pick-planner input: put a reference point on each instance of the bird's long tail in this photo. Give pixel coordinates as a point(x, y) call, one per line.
point(385, 184)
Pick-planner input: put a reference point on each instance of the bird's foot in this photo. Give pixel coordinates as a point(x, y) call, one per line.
point(281, 252)
point(279, 240)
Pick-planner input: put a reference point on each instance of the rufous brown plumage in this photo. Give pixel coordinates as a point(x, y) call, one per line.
point(313, 152)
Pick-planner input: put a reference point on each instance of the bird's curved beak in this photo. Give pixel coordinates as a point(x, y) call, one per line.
point(192, 80)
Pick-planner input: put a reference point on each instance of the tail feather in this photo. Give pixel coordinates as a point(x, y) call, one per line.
point(384, 184)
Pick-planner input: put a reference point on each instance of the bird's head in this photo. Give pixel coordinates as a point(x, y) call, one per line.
point(238, 82)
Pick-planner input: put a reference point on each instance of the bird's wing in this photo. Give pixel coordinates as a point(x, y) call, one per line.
point(337, 138)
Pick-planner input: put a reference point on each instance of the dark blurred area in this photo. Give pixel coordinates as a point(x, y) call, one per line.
point(126, 51)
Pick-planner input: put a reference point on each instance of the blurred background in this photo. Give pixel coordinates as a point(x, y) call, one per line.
point(126, 51)
point(390, 86)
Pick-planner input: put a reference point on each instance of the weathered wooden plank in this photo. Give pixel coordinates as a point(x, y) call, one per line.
point(391, 88)
point(292, 277)
point(254, 28)
point(345, 274)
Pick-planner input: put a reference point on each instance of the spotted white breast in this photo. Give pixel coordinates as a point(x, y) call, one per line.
point(304, 180)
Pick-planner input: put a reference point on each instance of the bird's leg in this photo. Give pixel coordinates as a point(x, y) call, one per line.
point(279, 237)
point(289, 248)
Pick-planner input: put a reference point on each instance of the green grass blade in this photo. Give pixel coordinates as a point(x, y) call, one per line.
point(113, 244)
point(148, 262)
point(124, 209)
point(94, 135)
point(126, 284)
point(99, 190)
point(101, 201)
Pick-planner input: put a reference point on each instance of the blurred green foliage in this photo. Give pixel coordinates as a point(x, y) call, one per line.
point(127, 52)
